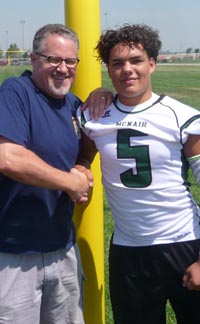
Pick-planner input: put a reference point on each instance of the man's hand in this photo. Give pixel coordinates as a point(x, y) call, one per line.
point(79, 187)
point(86, 170)
point(191, 277)
point(97, 101)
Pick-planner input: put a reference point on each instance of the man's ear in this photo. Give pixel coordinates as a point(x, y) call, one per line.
point(32, 57)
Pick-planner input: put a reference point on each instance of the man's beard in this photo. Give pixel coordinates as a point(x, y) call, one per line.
point(61, 91)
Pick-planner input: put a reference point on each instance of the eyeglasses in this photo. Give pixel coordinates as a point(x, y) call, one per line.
point(56, 61)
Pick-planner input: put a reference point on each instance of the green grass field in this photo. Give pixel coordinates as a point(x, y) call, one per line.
point(179, 81)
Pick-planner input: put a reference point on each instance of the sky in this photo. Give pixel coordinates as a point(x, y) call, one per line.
point(178, 21)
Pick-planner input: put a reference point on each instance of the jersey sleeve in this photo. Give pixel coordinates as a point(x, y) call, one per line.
point(191, 127)
point(187, 118)
point(83, 117)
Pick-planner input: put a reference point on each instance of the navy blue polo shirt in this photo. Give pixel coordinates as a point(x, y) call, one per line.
point(33, 219)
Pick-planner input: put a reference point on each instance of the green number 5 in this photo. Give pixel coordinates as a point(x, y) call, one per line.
point(143, 176)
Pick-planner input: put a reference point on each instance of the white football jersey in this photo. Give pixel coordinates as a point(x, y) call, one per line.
point(144, 171)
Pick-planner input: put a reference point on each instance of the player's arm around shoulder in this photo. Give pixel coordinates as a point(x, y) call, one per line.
point(97, 101)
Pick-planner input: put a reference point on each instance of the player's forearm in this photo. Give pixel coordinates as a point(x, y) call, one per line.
point(87, 151)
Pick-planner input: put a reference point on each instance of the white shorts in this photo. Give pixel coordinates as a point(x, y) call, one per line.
point(43, 288)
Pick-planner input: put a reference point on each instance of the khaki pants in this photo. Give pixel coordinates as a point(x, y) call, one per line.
point(43, 288)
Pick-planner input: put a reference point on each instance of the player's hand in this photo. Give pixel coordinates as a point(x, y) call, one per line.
point(191, 277)
point(97, 101)
point(79, 189)
point(86, 170)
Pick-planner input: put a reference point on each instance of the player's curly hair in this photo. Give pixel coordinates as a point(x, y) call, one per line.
point(129, 35)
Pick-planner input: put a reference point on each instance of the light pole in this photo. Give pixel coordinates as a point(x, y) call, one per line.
point(6, 40)
point(22, 22)
point(106, 15)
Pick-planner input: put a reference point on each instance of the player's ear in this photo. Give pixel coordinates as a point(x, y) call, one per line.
point(152, 64)
point(107, 65)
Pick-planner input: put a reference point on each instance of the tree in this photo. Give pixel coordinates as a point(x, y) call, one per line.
point(188, 50)
point(1, 53)
point(26, 54)
point(14, 51)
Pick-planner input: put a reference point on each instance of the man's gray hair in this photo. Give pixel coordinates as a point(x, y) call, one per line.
point(51, 29)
